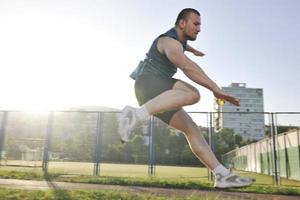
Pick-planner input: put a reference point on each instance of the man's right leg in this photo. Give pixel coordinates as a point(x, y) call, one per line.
point(180, 95)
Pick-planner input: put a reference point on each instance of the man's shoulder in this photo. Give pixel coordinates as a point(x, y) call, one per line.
point(166, 41)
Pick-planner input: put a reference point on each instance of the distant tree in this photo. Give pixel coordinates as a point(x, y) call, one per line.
point(280, 129)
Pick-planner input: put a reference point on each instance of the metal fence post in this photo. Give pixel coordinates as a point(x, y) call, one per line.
point(211, 143)
point(255, 157)
point(47, 142)
point(277, 149)
point(260, 158)
point(2, 133)
point(270, 157)
point(208, 129)
point(151, 165)
point(98, 145)
point(287, 165)
point(298, 137)
point(275, 160)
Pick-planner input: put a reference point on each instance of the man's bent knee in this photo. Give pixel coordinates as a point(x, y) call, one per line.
point(193, 97)
point(192, 94)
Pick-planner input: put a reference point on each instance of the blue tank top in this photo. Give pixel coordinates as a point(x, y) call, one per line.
point(156, 63)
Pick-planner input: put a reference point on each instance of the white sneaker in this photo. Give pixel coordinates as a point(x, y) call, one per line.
point(232, 180)
point(127, 122)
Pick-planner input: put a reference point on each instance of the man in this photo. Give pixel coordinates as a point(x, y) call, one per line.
point(163, 96)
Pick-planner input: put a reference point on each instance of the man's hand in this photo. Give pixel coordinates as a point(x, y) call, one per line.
point(198, 53)
point(194, 51)
point(226, 97)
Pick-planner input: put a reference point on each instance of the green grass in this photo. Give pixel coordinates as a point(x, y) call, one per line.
point(145, 182)
point(21, 173)
point(137, 175)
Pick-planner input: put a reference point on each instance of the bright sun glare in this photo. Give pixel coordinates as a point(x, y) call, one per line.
point(51, 62)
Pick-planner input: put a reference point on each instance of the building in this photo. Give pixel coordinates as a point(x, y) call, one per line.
point(245, 120)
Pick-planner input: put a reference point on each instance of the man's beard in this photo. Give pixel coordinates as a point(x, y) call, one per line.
point(190, 38)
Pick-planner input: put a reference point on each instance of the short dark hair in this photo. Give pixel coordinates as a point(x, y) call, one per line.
point(185, 13)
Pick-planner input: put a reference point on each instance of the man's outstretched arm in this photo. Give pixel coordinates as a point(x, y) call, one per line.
point(173, 50)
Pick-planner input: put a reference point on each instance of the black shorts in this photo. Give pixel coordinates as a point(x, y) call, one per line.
point(149, 86)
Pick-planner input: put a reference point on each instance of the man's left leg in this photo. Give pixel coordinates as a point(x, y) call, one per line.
point(183, 122)
point(224, 179)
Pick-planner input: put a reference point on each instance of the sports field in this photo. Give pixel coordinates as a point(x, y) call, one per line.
point(119, 170)
point(137, 171)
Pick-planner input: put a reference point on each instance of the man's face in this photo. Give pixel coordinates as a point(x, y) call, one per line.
point(192, 26)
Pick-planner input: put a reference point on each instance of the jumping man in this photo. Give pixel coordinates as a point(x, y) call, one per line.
point(161, 95)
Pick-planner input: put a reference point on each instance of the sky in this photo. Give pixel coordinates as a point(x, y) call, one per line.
point(56, 54)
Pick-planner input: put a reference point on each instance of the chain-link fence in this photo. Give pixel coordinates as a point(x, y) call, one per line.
point(81, 142)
